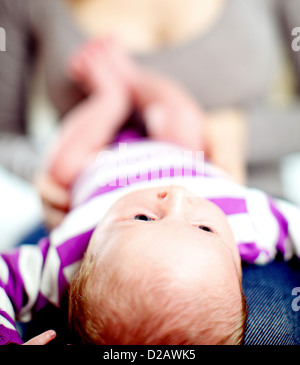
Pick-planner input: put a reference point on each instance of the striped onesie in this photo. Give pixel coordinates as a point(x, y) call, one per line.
point(33, 276)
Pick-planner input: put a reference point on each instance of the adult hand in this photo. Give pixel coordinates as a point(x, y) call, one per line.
point(42, 339)
point(55, 199)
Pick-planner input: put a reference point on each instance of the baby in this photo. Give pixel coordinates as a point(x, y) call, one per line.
point(163, 264)
point(163, 233)
point(162, 267)
point(172, 269)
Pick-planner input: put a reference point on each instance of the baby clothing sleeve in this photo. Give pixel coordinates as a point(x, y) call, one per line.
point(33, 276)
point(273, 228)
point(288, 219)
point(20, 281)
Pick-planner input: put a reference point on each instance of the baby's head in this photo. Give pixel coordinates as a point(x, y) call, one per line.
point(162, 268)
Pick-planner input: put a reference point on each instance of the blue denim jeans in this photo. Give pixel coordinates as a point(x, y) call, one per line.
point(272, 320)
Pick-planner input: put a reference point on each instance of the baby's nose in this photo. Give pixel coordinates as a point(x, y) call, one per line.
point(174, 199)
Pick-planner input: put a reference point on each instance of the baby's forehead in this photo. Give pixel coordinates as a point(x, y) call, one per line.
point(162, 241)
point(167, 255)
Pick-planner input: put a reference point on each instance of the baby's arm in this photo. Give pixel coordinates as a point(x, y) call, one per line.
point(288, 218)
point(21, 272)
point(89, 127)
point(86, 129)
point(274, 227)
point(35, 275)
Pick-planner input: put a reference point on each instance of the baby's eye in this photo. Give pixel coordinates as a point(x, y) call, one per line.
point(143, 217)
point(206, 229)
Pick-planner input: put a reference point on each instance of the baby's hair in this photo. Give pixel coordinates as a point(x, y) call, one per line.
point(148, 310)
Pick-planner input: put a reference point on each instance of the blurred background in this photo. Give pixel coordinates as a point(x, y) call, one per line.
point(229, 54)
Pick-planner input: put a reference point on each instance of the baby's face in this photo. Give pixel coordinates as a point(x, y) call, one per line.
point(173, 229)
